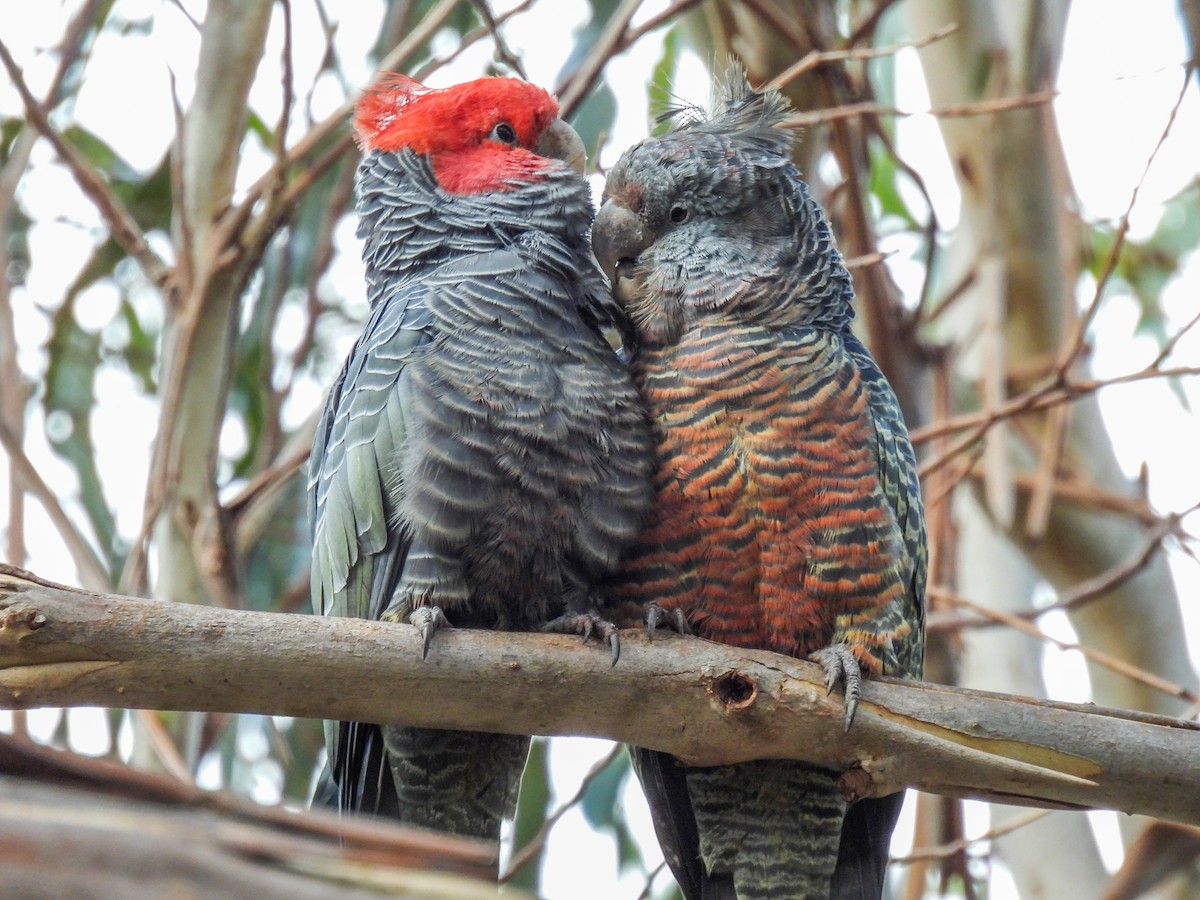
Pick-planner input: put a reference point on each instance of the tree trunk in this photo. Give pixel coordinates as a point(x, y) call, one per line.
point(1017, 211)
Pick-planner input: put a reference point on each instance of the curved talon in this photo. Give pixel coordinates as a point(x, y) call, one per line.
point(842, 667)
point(657, 615)
point(428, 619)
point(613, 640)
point(585, 625)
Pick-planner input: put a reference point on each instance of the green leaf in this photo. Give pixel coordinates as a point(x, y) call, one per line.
point(659, 90)
point(260, 129)
point(883, 186)
point(141, 352)
point(594, 117)
point(99, 154)
point(69, 392)
point(533, 808)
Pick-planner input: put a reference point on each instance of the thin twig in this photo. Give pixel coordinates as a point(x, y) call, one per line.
point(954, 848)
point(1075, 343)
point(534, 847)
point(673, 10)
point(617, 38)
point(962, 468)
point(69, 50)
point(319, 134)
point(816, 58)
point(866, 259)
point(92, 573)
point(650, 876)
point(1169, 346)
point(1085, 591)
point(288, 85)
point(1037, 398)
point(125, 229)
point(1087, 494)
point(467, 40)
point(502, 51)
point(932, 226)
point(165, 749)
point(1093, 588)
point(870, 108)
point(956, 291)
point(606, 46)
point(780, 21)
point(1134, 673)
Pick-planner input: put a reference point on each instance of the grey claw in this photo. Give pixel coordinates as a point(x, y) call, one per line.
point(428, 619)
point(614, 641)
point(585, 625)
point(657, 615)
point(841, 667)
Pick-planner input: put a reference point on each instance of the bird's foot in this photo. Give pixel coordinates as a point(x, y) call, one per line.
point(841, 667)
point(673, 618)
point(585, 625)
point(428, 620)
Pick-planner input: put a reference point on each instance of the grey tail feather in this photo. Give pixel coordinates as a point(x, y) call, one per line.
point(665, 786)
point(863, 851)
point(365, 787)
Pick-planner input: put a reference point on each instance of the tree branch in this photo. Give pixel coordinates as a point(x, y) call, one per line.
point(704, 702)
point(125, 229)
point(87, 561)
point(140, 835)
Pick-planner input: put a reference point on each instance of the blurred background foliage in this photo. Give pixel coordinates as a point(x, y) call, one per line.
point(212, 286)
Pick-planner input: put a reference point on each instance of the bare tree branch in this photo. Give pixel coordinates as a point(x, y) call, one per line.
point(139, 835)
point(87, 561)
point(537, 843)
point(869, 108)
point(815, 58)
point(125, 229)
point(704, 702)
point(617, 36)
point(1106, 660)
point(921, 854)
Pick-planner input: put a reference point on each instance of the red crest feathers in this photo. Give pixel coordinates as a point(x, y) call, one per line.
point(381, 103)
point(398, 112)
point(455, 127)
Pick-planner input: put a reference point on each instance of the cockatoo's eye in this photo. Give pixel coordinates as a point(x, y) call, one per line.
point(504, 134)
point(679, 214)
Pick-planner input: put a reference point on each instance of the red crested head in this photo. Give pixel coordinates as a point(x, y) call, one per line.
point(482, 135)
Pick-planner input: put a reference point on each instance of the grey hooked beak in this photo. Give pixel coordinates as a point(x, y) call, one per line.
point(559, 141)
point(618, 235)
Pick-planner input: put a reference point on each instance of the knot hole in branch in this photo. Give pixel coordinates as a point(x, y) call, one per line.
point(735, 689)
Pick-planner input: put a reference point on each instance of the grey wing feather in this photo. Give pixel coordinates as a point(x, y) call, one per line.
point(901, 486)
point(867, 829)
point(357, 557)
point(352, 483)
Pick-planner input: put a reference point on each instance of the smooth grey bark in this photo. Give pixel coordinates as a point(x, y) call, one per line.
point(193, 564)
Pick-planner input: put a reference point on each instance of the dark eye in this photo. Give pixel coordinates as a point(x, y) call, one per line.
point(679, 214)
point(503, 133)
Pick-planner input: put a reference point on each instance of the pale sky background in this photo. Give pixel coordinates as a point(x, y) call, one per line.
point(1120, 76)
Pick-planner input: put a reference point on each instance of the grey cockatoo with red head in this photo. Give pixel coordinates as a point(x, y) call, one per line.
point(484, 456)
